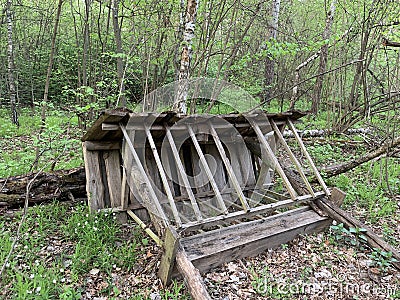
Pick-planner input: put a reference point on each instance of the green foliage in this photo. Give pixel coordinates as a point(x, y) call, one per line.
point(382, 259)
point(353, 236)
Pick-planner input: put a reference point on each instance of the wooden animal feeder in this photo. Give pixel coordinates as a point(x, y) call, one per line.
point(215, 188)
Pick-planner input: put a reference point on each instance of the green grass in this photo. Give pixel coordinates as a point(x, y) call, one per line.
point(58, 144)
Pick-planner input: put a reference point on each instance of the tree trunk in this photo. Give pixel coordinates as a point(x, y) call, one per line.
point(186, 56)
point(269, 62)
point(120, 63)
point(11, 65)
point(323, 59)
point(46, 187)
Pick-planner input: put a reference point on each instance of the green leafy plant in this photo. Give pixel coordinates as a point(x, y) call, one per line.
point(382, 259)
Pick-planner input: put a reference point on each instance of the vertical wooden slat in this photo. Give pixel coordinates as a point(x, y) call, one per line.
point(305, 152)
point(229, 169)
point(292, 157)
point(163, 177)
point(182, 174)
point(207, 170)
point(273, 159)
point(144, 178)
point(94, 184)
point(113, 171)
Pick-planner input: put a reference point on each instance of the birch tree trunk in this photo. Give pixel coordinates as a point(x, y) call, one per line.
point(269, 61)
point(11, 65)
point(120, 62)
point(323, 58)
point(186, 56)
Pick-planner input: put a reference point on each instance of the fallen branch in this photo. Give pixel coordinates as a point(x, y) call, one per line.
point(46, 187)
point(334, 170)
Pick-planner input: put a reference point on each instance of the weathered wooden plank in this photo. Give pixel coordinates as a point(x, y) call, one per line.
point(94, 184)
point(292, 157)
point(145, 228)
point(103, 145)
point(273, 159)
point(138, 177)
point(251, 238)
point(109, 126)
point(164, 180)
point(182, 174)
point(170, 245)
point(207, 170)
point(113, 172)
point(229, 169)
point(266, 208)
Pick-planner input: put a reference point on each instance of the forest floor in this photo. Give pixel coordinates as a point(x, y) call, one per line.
point(66, 253)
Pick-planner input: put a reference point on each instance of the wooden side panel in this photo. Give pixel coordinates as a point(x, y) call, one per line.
point(251, 238)
point(94, 184)
point(113, 171)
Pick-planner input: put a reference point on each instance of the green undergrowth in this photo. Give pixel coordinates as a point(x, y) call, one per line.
point(63, 248)
point(56, 147)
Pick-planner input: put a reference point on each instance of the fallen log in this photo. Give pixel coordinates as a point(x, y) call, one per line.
point(46, 187)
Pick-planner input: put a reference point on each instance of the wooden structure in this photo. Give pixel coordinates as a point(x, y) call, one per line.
point(214, 187)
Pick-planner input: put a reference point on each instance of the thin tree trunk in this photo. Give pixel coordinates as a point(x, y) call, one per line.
point(48, 76)
point(323, 59)
point(269, 61)
point(11, 65)
point(120, 62)
point(186, 56)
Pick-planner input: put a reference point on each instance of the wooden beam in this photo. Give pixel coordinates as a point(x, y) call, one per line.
point(207, 170)
point(109, 126)
point(163, 178)
point(310, 161)
point(182, 173)
point(113, 172)
point(145, 228)
point(192, 277)
point(273, 159)
point(254, 211)
point(229, 169)
point(292, 157)
point(94, 184)
point(147, 191)
point(170, 245)
point(102, 145)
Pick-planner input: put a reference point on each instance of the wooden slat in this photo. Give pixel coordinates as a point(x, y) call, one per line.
point(207, 170)
point(182, 174)
point(113, 172)
point(94, 184)
point(273, 159)
point(145, 228)
point(254, 211)
point(310, 161)
point(229, 169)
point(292, 157)
point(164, 180)
point(147, 191)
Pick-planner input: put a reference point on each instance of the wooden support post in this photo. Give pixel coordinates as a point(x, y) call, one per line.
point(305, 152)
point(167, 263)
point(163, 178)
point(147, 190)
point(273, 159)
point(182, 173)
point(192, 277)
point(229, 169)
point(113, 172)
point(292, 158)
point(207, 170)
